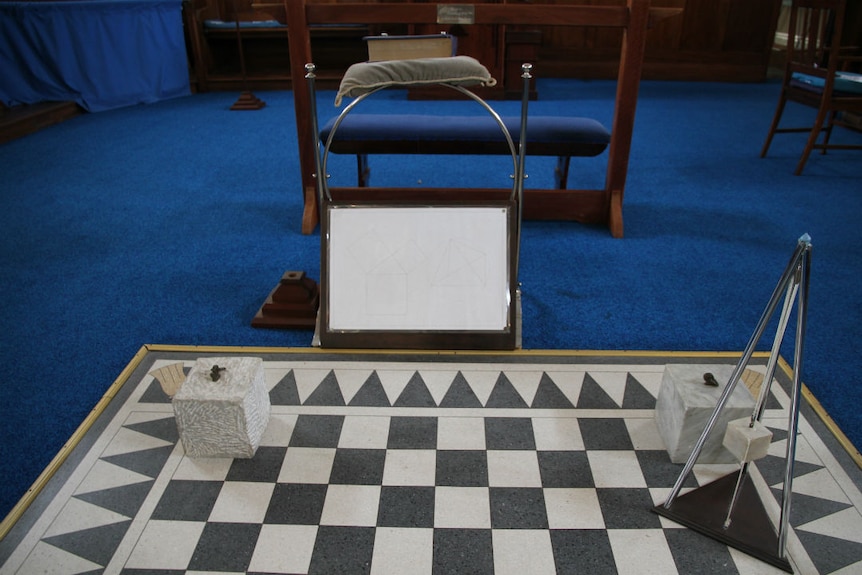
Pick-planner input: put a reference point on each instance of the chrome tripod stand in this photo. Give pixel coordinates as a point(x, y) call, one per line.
point(729, 508)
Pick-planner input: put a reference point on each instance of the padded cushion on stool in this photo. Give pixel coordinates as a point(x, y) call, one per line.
point(429, 134)
point(365, 77)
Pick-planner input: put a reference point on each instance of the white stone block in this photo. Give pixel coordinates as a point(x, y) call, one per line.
point(227, 417)
point(746, 442)
point(685, 405)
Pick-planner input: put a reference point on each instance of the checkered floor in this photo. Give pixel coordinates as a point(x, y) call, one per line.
point(446, 464)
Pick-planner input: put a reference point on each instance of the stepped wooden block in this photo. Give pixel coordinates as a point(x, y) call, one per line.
point(292, 304)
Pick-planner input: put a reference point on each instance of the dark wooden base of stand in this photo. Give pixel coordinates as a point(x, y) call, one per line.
point(248, 101)
point(291, 305)
point(704, 510)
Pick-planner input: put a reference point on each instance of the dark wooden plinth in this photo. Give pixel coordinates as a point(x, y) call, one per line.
point(705, 509)
point(19, 121)
point(248, 101)
point(291, 305)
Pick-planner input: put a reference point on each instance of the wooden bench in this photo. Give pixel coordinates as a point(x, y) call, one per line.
point(595, 206)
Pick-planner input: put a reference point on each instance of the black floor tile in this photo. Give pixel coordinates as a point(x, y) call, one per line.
point(578, 551)
point(263, 467)
point(358, 467)
point(461, 551)
point(402, 506)
point(296, 503)
point(316, 431)
point(187, 500)
point(462, 468)
point(565, 469)
point(412, 433)
point(509, 433)
point(605, 434)
point(342, 550)
point(225, 547)
point(518, 508)
point(659, 471)
point(627, 508)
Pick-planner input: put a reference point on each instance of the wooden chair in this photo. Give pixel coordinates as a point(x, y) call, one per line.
point(818, 74)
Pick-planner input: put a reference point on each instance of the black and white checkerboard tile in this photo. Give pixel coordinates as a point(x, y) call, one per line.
point(375, 466)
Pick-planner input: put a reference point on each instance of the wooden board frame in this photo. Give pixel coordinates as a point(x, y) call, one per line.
point(333, 332)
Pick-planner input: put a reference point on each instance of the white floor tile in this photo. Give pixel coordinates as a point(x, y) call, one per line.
point(351, 505)
point(846, 524)
point(242, 502)
point(641, 552)
point(644, 433)
point(462, 507)
point(166, 545)
point(520, 551)
point(557, 434)
point(350, 380)
point(573, 508)
point(460, 433)
point(278, 430)
point(284, 549)
point(513, 469)
point(307, 465)
point(410, 467)
point(401, 550)
point(49, 560)
point(364, 432)
point(616, 469)
point(203, 468)
point(78, 515)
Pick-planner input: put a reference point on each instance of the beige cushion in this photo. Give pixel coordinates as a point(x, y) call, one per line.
point(368, 76)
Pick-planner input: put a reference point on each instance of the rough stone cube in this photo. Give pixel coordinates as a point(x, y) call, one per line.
point(227, 417)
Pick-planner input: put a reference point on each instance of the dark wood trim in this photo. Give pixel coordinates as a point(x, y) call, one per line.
point(19, 121)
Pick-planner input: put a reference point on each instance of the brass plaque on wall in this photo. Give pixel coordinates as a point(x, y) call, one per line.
point(456, 14)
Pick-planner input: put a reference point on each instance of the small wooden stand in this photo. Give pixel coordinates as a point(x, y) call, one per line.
point(291, 305)
point(248, 101)
point(751, 531)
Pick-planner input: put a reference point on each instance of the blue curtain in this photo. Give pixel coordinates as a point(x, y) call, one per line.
point(102, 54)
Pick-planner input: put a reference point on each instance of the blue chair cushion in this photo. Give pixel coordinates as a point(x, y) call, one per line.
point(224, 25)
point(845, 82)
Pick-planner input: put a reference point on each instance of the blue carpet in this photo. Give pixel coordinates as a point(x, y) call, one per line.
point(169, 223)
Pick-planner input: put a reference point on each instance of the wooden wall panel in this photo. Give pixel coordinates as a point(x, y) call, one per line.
point(719, 40)
point(727, 40)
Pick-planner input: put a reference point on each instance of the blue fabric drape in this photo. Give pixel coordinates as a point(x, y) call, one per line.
point(102, 54)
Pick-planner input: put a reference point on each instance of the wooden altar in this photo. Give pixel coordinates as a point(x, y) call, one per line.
point(595, 206)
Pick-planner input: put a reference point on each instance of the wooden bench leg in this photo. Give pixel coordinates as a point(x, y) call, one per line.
point(561, 172)
point(310, 217)
point(615, 214)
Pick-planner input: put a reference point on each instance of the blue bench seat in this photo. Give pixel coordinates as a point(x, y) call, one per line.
point(560, 136)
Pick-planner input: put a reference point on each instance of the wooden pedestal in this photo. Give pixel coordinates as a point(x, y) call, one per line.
point(291, 305)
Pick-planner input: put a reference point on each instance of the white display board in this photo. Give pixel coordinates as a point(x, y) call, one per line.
point(408, 268)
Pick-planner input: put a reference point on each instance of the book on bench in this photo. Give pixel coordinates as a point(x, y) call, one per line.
point(385, 47)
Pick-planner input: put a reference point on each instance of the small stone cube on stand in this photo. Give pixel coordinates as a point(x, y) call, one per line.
point(747, 441)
